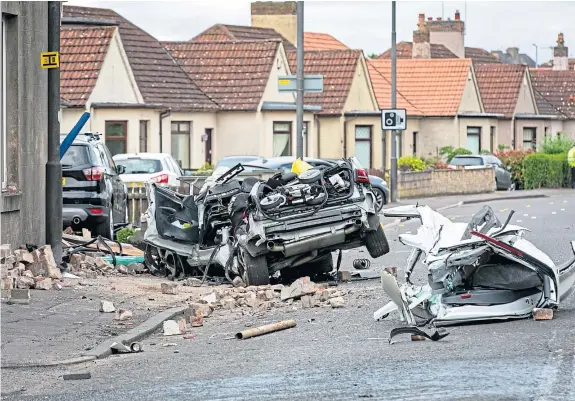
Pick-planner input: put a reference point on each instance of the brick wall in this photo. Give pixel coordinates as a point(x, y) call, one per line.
point(445, 182)
point(273, 8)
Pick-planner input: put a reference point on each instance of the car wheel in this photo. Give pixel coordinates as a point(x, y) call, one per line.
point(106, 228)
point(379, 199)
point(255, 269)
point(376, 243)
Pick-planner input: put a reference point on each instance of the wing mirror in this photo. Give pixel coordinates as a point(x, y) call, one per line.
point(120, 169)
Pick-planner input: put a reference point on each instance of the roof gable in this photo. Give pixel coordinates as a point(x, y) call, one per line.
point(338, 68)
point(404, 50)
point(556, 88)
point(160, 80)
point(223, 33)
point(430, 87)
point(499, 85)
point(480, 56)
point(82, 52)
point(232, 74)
point(321, 41)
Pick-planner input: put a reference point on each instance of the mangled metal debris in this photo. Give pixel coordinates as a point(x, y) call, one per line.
point(480, 271)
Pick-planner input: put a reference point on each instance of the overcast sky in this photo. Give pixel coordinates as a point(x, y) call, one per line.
point(492, 25)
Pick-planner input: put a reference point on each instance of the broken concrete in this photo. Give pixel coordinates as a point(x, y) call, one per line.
point(25, 282)
point(302, 286)
point(338, 302)
point(107, 307)
point(7, 283)
point(193, 282)
point(169, 288)
point(19, 296)
point(23, 256)
point(173, 328)
point(210, 299)
point(123, 314)
point(542, 314)
point(238, 282)
point(43, 283)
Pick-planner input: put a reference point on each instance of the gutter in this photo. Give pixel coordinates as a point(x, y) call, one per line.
point(163, 115)
point(88, 21)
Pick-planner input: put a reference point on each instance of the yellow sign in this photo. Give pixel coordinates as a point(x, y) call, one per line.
point(63, 181)
point(50, 60)
point(284, 81)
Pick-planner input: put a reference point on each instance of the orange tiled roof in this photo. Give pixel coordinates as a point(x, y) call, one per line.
point(321, 41)
point(481, 56)
point(232, 74)
point(499, 85)
point(225, 33)
point(557, 88)
point(82, 52)
point(338, 69)
point(430, 87)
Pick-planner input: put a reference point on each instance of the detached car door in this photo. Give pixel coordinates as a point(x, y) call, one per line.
point(120, 201)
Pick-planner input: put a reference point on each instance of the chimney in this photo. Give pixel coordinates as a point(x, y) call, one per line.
point(498, 54)
point(560, 55)
point(449, 34)
point(430, 18)
point(421, 45)
point(513, 52)
point(277, 15)
point(457, 16)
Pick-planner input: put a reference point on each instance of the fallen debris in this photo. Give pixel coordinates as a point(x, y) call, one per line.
point(123, 348)
point(270, 328)
point(538, 313)
point(337, 302)
point(414, 331)
point(123, 314)
point(77, 376)
point(238, 282)
point(302, 286)
point(173, 328)
point(19, 296)
point(107, 307)
point(344, 275)
point(169, 288)
point(193, 282)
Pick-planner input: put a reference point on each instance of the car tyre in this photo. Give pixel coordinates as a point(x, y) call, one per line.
point(379, 198)
point(106, 228)
point(376, 243)
point(255, 270)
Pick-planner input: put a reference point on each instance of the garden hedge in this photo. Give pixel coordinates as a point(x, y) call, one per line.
point(546, 171)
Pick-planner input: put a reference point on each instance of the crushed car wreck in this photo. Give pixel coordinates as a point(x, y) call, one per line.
point(288, 224)
point(480, 271)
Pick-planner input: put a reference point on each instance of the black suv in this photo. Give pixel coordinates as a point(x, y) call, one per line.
point(93, 195)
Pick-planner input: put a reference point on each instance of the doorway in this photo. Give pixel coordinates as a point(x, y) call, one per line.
point(209, 145)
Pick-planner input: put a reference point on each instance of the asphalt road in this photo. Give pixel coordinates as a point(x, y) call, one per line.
point(343, 354)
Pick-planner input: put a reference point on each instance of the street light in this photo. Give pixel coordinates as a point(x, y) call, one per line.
point(536, 55)
point(393, 175)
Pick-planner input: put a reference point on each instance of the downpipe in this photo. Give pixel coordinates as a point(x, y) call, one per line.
point(313, 243)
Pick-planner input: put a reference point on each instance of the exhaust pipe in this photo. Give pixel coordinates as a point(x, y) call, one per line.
point(76, 220)
point(313, 243)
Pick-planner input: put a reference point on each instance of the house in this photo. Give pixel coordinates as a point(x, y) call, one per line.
point(512, 56)
point(321, 41)
point(507, 89)
point(24, 115)
point(440, 39)
point(443, 104)
point(137, 95)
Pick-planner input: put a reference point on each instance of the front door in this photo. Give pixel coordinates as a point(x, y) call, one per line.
point(209, 145)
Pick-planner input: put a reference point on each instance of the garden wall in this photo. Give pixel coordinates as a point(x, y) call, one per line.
point(445, 182)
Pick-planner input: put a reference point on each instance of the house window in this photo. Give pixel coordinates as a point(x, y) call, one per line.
point(492, 139)
point(3, 141)
point(363, 144)
point(474, 139)
point(143, 136)
point(546, 132)
point(529, 138)
point(116, 136)
point(398, 144)
point(181, 132)
point(415, 143)
point(306, 139)
point(282, 138)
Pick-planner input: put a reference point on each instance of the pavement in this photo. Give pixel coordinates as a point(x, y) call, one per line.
point(343, 354)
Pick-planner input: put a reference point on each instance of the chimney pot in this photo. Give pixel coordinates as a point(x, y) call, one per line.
point(421, 17)
point(429, 18)
point(439, 18)
point(457, 16)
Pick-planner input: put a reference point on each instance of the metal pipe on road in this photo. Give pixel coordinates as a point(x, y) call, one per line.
point(269, 328)
point(299, 80)
point(53, 166)
point(393, 175)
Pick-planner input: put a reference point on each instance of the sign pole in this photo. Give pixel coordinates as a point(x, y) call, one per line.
point(300, 81)
point(393, 175)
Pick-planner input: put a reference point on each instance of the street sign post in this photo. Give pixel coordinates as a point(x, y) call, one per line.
point(394, 119)
point(311, 83)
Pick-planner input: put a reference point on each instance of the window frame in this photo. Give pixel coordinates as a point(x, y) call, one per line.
point(187, 133)
point(144, 136)
point(492, 138)
point(3, 114)
point(533, 140)
point(414, 146)
point(477, 134)
point(398, 144)
point(370, 140)
point(124, 138)
point(289, 133)
point(306, 140)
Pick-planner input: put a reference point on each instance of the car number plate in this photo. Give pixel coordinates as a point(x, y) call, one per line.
point(63, 181)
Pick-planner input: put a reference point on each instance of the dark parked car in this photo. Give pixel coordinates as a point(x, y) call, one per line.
point(93, 195)
point(379, 186)
point(503, 178)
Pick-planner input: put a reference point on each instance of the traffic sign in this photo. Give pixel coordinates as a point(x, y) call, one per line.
point(311, 83)
point(394, 119)
point(50, 60)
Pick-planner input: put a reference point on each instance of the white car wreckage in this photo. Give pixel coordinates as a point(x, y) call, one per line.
point(480, 271)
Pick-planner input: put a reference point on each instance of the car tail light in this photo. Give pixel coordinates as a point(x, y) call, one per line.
point(94, 173)
point(160, 179)
point(362, 176)
point(450, 167)
point(465, 296)
point(96, 210)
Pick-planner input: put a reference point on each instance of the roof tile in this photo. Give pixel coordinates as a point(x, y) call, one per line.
point(404, 51)
point(224, 33)
point(499, 85)
point(338, 69)
point(430, 87)
point(232, 74)
point(554, 87)
point(159, 78)
point(321, 41)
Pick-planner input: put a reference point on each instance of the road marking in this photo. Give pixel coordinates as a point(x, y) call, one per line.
point(553, 212)
point(402, 225)
point(408, 232)
point(533, 217)
point(551, 203)
point(562, 210)
point(528, 206)
point(564, 201)
point(525, 215)
point(520, 221)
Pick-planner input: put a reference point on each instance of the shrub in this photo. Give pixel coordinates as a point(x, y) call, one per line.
point(485, 152)
point(124, 234)
point(514, 159)
point(431, 161)
point(542, 170)
point(206, 167)
point(448, 152)
point(440, 166)
point(556, 145)
point(411, 163)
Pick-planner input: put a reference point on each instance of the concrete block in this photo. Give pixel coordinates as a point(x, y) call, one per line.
point(228, 303)
point(173, 328)
point(169, 288)
point(338, 302)
point(25, 282)
point(302, 286)
point(107, 307)
point(193, 282)
point(28, 273)
point(24, 256)
point(19, 296)
point(43, 283)
point(5, 251)
point(238, 282)
point(123, 314)
point(76, 259)
point(7, 283)
point(344, 275)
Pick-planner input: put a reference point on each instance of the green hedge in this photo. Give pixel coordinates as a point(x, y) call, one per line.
point(546, 171)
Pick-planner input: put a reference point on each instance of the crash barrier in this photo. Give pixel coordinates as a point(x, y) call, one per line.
point(445, 182)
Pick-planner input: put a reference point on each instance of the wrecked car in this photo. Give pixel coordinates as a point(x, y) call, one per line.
point(480, 271)
point(254, 228)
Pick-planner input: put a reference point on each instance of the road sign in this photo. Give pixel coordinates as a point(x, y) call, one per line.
point(311, 83)
point(50, 60)
point(395, 119)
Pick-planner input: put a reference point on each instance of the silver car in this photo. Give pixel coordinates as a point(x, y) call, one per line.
point(503, 177)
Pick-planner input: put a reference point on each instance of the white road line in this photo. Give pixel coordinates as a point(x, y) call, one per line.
point(533, 217)
point(553, 212)
point(562, 210)
point(525, 215)
point(520, 221)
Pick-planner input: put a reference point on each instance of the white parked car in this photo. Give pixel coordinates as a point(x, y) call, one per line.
point(160, 168)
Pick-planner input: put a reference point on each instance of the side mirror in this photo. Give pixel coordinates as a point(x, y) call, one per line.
point(120, 169)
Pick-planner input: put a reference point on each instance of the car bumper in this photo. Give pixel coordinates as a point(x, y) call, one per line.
point(80, 215)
